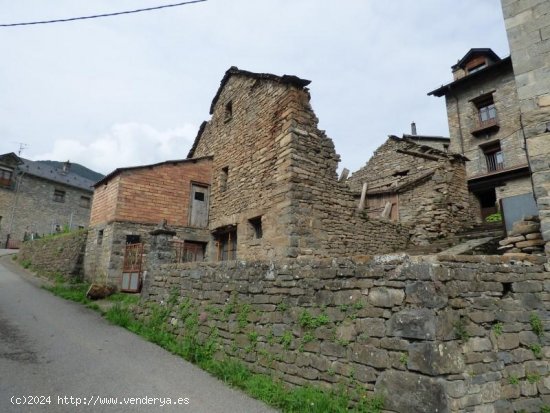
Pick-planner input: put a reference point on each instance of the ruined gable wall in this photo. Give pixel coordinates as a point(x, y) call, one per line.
point(249, 145)
point(323, 209)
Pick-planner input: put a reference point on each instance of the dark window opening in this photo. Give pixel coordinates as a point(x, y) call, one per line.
point(401, 173)
point(191, 252)
point(224, 176)
point(85, 201)
point(199, 196)
point(132, 239)
point(256, 224)
point(228, 111)
point(226, 243)
point(494, 157)
point(6, 176)
point(100, 237)
point(59, 195)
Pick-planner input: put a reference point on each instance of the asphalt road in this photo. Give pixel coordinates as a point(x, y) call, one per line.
point(52, 347)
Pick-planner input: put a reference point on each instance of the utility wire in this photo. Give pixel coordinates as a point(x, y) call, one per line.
point(102, 15)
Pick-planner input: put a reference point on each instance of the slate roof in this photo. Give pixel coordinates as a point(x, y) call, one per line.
point(45, 171)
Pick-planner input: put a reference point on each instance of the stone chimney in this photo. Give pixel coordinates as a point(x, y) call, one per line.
point(413, 128)
point(66, 167)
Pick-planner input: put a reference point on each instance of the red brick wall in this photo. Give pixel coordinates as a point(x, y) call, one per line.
point(104, 202)
point(150, 195)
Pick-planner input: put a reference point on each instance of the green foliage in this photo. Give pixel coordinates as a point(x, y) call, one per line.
point(242, 318)
point(73, 292)
point(545, 409)
point(26, 263)
point(306, 320)
point(460, 329)
point(497, 217)
point(513, 379)
point(14, 257)
point(536, 324)
point(533, 377)
point(124, 298)
point(537, 350)
point(497, 329)
point(404, 358)
point(286, 340)
point(282, 307)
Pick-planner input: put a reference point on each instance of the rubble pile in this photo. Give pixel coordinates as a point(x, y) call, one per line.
point(525, 237)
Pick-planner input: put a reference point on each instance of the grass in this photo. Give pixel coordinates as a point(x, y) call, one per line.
point(536, 324)
point(201, 352)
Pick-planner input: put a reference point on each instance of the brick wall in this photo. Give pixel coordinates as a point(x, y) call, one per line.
point(104, 202)
point(448, 334)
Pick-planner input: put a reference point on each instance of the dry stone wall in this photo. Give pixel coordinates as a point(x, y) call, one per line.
point(58, 255)
point(446, 334)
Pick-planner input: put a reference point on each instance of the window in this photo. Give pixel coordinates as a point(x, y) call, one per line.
point(85, 201)
point(477, 67)
point(224, 175)
point(59, 195)
point(100, 237)
point(493, 157)
point(486, 114)
point(6, 177)
point(226, 242)
point(228, 111)
point(256, 225)
point(193, 251)
point(132, 239)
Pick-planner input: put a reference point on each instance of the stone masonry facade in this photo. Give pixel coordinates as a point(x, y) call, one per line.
point(273, 166)
point(131, 202)
point(426, 187)
point(528, 27)
point(34, 209)
point(446, 334)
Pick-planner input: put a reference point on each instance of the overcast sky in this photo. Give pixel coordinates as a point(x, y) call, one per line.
point(133, 89)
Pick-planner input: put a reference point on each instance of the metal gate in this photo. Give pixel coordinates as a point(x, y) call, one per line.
point(132, 268)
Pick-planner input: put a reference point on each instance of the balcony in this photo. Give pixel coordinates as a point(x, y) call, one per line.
point(485, 126)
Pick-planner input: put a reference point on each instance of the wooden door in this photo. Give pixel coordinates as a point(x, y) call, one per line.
point(199, 206)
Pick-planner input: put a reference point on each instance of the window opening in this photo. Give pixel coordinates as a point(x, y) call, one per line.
point(256, 224)
point(100, 237)
point(226, 242)
point(58, 195)
point(132, 239)
point(228, 111)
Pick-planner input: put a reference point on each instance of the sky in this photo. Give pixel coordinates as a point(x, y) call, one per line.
point(133, 89)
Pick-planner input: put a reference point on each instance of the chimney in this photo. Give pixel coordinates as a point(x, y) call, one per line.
point(66, 167)
point(413, 128)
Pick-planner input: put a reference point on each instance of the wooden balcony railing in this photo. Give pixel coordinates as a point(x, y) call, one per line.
point(483, 126)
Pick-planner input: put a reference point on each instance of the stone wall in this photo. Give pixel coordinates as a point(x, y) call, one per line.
point(462, 116)
point(446, 334)
point(272, 163)
point(528, 29)
point(104, 259)
point(34, 209)
point(61, 254)
point(428, 187)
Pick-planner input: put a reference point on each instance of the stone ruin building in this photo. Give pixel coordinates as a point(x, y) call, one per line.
point(275, 192)
point(417, 185)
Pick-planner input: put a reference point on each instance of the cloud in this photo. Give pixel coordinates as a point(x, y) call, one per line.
point(124, 144)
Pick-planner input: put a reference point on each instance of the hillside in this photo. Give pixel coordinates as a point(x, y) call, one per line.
point(77, 169)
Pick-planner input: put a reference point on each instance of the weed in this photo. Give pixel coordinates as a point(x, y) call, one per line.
point(26, 263)
point(282, 307)
point(533, 377)
point(358, 306)
point(513, 379)
point(460, 329)
point(253, 338)
point(14, 257)
point(306, 320)
point(286, 340)
point(242, 318)
point(344, 308)
point(73, 292)
point(124, 298)
point(342, 342)
point(497, 328)
point(404, 358)
point(545, 409)
point(537, 350)
point(536, 324)
point(308, 337)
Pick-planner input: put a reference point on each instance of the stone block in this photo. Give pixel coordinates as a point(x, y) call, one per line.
point(435, 358)
point(385, 297)
point(508, 341)
point(413, 323)
point(425, 294)
point(406, 392)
